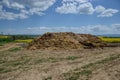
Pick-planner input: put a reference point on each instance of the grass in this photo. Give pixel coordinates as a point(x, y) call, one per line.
point(72, 57)
point(85, 71)
point(44, 60)
point(15, 49)
point(48, 78)
point(4, 70)
point(2, 44)
point(13, 65)
point(77, 75)
point(24, 41)
point(102, 61)
point(16, 63)
point(110, 40)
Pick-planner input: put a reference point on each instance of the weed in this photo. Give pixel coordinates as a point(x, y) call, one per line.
point(76, 75)
point(1, 44)
point(51, 59)
point(43, 60)
point(72, 57)
point(84, 71)
point(48, 78)
point(15, 49)
point(102, 61)
point(2, 61)
point(4, 70)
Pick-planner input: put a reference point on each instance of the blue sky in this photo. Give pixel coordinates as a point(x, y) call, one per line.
point(79, 16)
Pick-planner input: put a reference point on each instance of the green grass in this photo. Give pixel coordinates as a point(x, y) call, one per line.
point(86, 70)
point(44, 60)
point(24, 41)
point(13, 65)
point(110, 40)
point(72, 57)
point(15, 49)
point(102, 61)
point(77, 75)
point(48, 78)
point(4, 70)
point(2, 44)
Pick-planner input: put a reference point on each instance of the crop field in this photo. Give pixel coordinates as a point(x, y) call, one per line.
point(15, 38)
point(24, 41)
point(111, 39)
point(1, 37)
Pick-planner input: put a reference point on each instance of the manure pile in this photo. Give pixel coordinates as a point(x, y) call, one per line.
point(65, 40)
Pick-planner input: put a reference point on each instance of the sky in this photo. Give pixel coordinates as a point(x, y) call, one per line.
point(41, 16)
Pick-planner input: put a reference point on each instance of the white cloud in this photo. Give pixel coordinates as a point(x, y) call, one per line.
point(12, 16)
point(17, 5)
point(84, 7)
point(80, 1)
point(24, 8)
point(108, 13)
point(116, 26)
point(21, 9)
point(99, 9)
point(67, 8)
point(90, 29)
point(75, 7)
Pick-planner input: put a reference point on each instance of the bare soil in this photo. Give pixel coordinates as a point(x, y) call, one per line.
point(74, 64)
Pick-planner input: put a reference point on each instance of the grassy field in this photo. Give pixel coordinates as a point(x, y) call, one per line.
point(110, 39)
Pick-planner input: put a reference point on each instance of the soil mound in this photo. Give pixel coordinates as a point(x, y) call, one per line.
point(65, 40)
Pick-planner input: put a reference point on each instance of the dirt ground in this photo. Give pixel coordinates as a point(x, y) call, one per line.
point(17, 63)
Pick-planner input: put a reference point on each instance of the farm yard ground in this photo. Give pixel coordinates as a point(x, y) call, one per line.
point(17, 63)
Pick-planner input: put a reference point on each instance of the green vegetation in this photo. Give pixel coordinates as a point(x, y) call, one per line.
point(24, 41)
point(85, 71)
point(48, 78)
point(15, 49)
point(76, 75)
point(110, 39)
point(13, 65)
point(4, 70)
point(42, 60)
point(72, 57)
point(102, 61)
point(3, 37)
point(15, 38)
point(1, 44)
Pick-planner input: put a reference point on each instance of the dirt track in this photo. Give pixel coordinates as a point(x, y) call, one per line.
point(60, 64)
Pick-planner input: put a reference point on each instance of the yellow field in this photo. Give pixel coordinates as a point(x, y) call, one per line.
point(3, 37)
point(26, 40)
point(111, 40)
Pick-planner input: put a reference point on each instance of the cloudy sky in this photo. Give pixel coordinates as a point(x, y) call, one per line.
point(79, 16)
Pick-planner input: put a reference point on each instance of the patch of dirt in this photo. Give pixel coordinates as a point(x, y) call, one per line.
point(65, 40)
